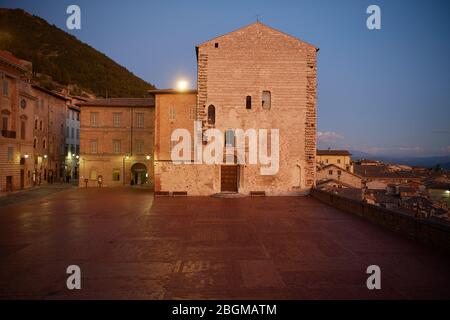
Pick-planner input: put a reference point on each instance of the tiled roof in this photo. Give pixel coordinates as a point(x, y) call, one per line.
point(329, 152)
point(120, 102)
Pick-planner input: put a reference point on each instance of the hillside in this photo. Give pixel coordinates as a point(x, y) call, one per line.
point(64, 58)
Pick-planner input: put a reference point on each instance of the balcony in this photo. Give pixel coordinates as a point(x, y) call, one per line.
point(9, 134)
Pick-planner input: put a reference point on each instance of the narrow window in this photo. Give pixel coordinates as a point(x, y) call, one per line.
point(139, 120)
point(94, 146)
point(22, 129)
point(338, 160)
point(40, 125)
point(216, 45)
point(266, 100)
point(330, 172)
point(116, 174)
point(339, 172)
point(35, 143)
point(248, 102)
point(116, 146)
point(94, 119)
point(229, 138)
point(10, 154)
point(139, 149)
point(43, 144)
point(172, 113)
point(5, 87)
point(211, 114)
point(5, 122)
point(35, 124)
point(116, 120)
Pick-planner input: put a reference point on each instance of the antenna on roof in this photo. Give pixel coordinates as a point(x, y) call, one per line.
point(258, 16)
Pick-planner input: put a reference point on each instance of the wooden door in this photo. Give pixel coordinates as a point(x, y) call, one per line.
point(229, 178)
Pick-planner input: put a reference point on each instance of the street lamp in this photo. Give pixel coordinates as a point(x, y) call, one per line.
point(26, 155)
point(147, 157)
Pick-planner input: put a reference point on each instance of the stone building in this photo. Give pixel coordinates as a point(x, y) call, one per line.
point(32, 120)
point(48, 136)
point(116, 142)
point(252, 78)
point(72, 141)
point(341, 158)
point(16, 111)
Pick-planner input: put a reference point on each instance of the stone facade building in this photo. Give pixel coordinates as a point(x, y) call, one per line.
point(116, 142)
point(253, 78)
point(16, 111)
point(340, 158)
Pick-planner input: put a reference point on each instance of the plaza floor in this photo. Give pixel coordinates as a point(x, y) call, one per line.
point(130, 245)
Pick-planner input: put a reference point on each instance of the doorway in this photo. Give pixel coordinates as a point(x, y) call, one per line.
point(139, 174)
point(229, 178)
point(22, 179)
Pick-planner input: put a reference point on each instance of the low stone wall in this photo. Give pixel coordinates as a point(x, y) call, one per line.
point(426, 231)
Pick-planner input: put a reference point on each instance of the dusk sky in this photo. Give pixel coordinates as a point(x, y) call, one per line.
point(385, 92)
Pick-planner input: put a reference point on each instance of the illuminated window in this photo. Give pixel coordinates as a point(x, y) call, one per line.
point(116, 174)
point(116, 146)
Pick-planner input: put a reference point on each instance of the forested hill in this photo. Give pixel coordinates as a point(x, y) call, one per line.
point(64, 58)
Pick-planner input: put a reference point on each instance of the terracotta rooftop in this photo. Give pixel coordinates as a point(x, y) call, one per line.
point(11, 59)
point(120, 102)
point(329, 152)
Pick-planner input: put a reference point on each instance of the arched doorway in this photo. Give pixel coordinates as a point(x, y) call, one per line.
point(139, 173)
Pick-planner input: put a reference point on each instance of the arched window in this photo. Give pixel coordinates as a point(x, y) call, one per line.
point(43, 144)
point(35, 143)
point(211, 114)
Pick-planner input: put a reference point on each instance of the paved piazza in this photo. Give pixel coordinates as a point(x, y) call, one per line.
point(130, 245)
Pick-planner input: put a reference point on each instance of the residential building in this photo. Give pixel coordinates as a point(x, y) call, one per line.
point(116, 142)
point(341, 158)
point(48, 136)
point(16, 111)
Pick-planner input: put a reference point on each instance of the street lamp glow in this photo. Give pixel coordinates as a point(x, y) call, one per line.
point(182, 85)
point(147, 157)
point(26, 155)
point(45, 156)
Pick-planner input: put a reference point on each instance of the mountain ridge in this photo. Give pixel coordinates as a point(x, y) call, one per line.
point(60, 60)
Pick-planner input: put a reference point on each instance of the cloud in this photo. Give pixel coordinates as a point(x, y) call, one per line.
point(328, 136)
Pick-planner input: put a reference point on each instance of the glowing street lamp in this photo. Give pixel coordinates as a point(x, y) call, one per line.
point(147, 157)
point(26, 155)
point(45, 156)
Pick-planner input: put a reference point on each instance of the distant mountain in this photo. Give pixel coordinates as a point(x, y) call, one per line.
point(428, 162)
point(64, 58)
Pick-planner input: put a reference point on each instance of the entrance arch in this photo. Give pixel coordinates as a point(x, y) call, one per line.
point(139, 174)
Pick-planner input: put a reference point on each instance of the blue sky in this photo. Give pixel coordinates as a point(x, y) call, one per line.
point(385, 92)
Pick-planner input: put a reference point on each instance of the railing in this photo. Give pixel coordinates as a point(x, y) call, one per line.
point(426, 231)
point(9, 134)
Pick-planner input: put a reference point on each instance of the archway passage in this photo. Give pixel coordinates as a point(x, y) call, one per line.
point(139, 173)
point(229, 178)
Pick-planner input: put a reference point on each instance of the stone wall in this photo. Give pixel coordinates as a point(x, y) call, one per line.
point(247, 62)
point(425, 231)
